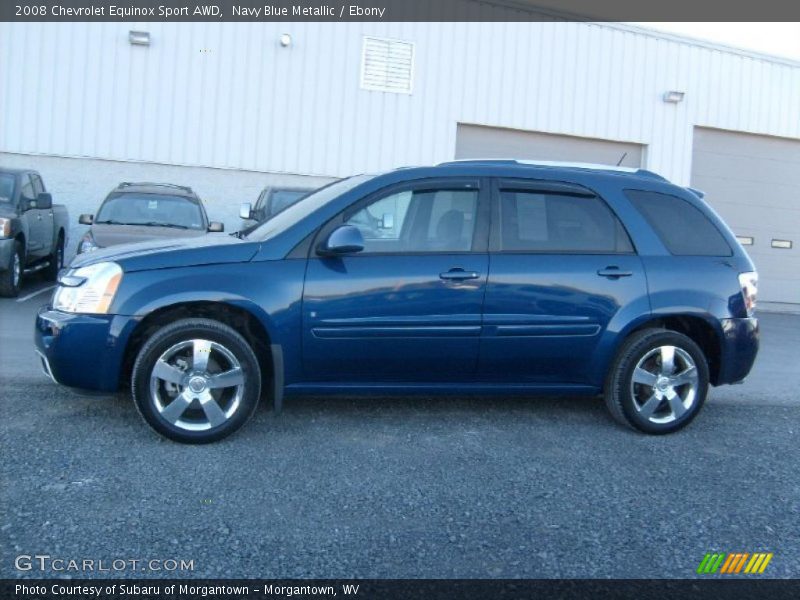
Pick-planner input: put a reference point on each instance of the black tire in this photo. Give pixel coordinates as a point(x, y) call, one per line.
point(10, 278)
point(627, 400)
point(56, 260)
point(221, 338)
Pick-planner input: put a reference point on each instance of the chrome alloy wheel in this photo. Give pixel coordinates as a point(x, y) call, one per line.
point(17, 269)
point(197, 385)
point(664, 384)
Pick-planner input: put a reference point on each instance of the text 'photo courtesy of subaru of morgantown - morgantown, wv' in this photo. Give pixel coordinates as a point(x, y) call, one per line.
point(477, 276)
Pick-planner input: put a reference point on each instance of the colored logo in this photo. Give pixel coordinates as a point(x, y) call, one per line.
point(730, 564)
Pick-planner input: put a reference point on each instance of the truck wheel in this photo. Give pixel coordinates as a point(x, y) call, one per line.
point(56, 260)
point(11, 275)
point(658, 382)
point(196, 381)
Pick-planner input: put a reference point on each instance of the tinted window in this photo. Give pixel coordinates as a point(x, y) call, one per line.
point(38, 186)
point(418, 221)
point(283, 199)
point(150, 209)
point(27, 188)
point(548, 222)
point(683, 228)
point(6, 187)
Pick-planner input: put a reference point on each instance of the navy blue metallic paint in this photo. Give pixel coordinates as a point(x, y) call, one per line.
point(527, 322)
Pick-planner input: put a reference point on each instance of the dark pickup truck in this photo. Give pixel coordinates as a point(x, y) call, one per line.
point(33, 231)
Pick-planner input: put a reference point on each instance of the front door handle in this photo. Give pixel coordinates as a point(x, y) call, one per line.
point(614, 273)
point(458, 275)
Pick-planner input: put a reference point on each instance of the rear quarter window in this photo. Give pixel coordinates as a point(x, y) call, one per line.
point(682, 227)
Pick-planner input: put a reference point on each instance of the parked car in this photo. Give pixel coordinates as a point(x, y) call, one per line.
point(498, 277)
point(271, 201)
point(33, 230)
point(134, 212)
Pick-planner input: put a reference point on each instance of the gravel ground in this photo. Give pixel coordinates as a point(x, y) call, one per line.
point(402, 487)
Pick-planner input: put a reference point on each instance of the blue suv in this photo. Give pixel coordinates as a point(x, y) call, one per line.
point(484, 276)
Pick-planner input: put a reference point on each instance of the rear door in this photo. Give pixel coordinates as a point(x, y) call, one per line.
point(561, 267)
point(408, 307)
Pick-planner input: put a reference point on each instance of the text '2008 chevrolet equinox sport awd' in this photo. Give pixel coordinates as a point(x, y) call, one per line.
point(487, 276)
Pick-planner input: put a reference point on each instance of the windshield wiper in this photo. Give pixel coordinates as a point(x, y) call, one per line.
point(160, 224)
point(111, 222)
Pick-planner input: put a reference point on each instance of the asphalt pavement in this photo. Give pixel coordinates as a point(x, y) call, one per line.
point(398, 487)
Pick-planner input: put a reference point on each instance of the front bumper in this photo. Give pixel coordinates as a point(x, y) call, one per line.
point(83, 351)
point(739, 349)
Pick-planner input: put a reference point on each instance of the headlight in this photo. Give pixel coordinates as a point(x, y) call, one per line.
point(749, 284)
point(5, 228)
point(88, 289)
point(87, 243)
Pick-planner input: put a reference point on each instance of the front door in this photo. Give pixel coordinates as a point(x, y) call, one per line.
point(562, 267)
point(408, 307)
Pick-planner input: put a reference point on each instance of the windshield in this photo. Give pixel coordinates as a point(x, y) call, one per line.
point(151, 209)
point(6, 187)
point(304, 207)
point(281, 199)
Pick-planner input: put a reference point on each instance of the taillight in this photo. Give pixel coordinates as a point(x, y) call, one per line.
point(749, 284)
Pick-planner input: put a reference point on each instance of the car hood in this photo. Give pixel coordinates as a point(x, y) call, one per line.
point(111, 235)
point(212, 248)
point(7, 210)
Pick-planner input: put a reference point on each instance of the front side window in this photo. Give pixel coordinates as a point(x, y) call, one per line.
point(532, 221)
point(683, 228)
point(26, 191)
point(412, 221)
point(150, 209)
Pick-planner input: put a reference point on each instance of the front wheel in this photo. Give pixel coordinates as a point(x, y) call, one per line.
point(11, 274)
point(196, 381)
point(658, 382)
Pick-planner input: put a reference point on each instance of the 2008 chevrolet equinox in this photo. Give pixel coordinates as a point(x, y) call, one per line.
point(488, 276)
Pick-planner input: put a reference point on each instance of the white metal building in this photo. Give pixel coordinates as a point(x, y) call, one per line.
point(227, 108)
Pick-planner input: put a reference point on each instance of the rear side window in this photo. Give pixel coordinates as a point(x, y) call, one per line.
point(683, 228)
point(533, 221)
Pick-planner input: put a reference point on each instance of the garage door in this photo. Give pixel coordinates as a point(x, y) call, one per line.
point(753, 181)
point(478, 141)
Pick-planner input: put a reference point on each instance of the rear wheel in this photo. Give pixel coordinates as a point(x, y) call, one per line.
point(196, 381)
point(11, 275)
point(658, 383)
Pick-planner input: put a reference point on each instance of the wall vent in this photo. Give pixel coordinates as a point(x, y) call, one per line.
point(387, 65)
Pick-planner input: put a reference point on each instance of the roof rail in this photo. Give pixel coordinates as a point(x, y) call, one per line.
point(143, 183)
point(553, 163)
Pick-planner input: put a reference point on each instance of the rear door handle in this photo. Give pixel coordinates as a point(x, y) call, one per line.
point(458, 275)
point(614, 273)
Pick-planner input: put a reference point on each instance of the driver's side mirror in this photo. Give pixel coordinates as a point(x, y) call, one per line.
point(44, 201)
point(346, 239)
point(215, 227)
point(86, 219)
point(245, 210)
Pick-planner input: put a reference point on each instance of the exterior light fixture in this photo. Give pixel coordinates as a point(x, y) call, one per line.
point(285, 40)
point(139, 38)
point(673, 96)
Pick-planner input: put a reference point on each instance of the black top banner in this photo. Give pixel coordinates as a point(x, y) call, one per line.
point(399, 10)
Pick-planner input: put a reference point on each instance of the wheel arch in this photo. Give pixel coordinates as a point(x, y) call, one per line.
point(235, 316)
point(705, 331)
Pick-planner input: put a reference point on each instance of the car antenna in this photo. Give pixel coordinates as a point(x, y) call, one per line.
point(619, 162)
